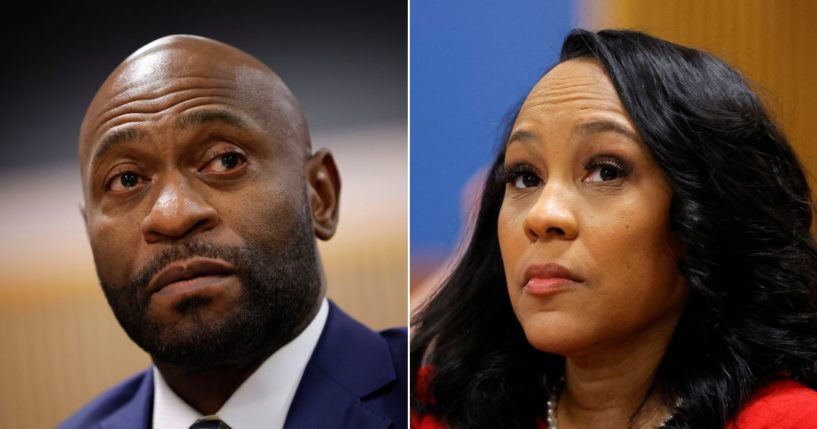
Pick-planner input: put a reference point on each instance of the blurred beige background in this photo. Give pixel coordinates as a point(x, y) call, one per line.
point(61, 343)
point(346, 64)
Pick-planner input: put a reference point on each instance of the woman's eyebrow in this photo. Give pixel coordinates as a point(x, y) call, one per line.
point(522, 136)
point(583, 130)
point(603, 126)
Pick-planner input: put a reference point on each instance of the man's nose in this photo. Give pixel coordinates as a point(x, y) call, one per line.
point(177, 212)
point(552, 216)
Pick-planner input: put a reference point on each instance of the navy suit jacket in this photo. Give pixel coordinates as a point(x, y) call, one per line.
point(356, 378)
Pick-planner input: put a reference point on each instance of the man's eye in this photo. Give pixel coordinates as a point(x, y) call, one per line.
point(124, 181)
point(224, 163)
point(229, 160)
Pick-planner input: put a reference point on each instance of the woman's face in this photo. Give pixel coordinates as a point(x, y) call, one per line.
point(584, 233)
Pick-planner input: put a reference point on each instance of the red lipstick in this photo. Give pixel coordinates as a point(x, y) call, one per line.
point(547, 279)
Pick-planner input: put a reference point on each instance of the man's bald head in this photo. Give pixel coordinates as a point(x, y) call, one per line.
point(147, 80)
point(203, 200)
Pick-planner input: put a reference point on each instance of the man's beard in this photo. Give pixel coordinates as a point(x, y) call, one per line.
point(280, 288)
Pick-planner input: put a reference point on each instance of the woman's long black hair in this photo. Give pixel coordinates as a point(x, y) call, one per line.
point(743, 209)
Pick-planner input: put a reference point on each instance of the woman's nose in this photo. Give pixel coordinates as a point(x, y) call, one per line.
point(552, 215)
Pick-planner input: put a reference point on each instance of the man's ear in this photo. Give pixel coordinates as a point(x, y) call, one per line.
point(323, 189)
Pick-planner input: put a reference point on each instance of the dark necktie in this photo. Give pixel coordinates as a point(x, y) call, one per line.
point(209, 422)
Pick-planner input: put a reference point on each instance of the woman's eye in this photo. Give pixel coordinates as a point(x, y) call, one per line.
point(224, 163)
point(124, 181)
point(522, 176)
point(604, 173)
point(526, 180)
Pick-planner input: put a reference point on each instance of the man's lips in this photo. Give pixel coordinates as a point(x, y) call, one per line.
point(544, 279)
point(189, 269)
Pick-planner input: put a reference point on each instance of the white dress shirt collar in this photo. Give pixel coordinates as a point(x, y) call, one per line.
point(263, 400)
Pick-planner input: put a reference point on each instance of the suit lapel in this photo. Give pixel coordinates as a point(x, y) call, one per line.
point(138, 412)
point(348, 363)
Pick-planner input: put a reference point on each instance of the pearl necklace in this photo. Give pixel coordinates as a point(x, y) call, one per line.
point(553, 402)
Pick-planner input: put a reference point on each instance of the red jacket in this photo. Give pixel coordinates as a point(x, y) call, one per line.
point(783, 404)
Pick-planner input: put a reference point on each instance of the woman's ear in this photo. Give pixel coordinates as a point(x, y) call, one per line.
point(323, 189)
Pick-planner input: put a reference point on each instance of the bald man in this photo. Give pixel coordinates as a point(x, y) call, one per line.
point(203, 199)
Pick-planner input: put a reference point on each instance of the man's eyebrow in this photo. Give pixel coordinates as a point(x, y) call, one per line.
point(199, 117)
point(117, 137)
point(603, 126)
point(191, 119)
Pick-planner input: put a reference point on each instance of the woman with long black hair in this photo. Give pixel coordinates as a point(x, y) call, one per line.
point(641, 258)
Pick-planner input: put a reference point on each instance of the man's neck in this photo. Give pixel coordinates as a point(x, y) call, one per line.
point(206, 390)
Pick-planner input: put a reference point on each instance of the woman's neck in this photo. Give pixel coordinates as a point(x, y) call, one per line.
point(606, 388)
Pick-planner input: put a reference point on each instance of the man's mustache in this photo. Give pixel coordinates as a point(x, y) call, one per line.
point(234, 255)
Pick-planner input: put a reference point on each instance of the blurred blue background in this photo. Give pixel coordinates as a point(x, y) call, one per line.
point(471, 63)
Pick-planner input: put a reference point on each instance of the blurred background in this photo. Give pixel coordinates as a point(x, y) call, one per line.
point(346, 63)
point(473, 61)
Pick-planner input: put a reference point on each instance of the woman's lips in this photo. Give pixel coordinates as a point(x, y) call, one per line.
point(547, 279)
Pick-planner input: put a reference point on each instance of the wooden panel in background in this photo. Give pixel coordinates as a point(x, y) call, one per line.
point(770, 42)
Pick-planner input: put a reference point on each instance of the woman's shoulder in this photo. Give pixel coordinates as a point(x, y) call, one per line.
point(780, 404)
point(424, 421)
